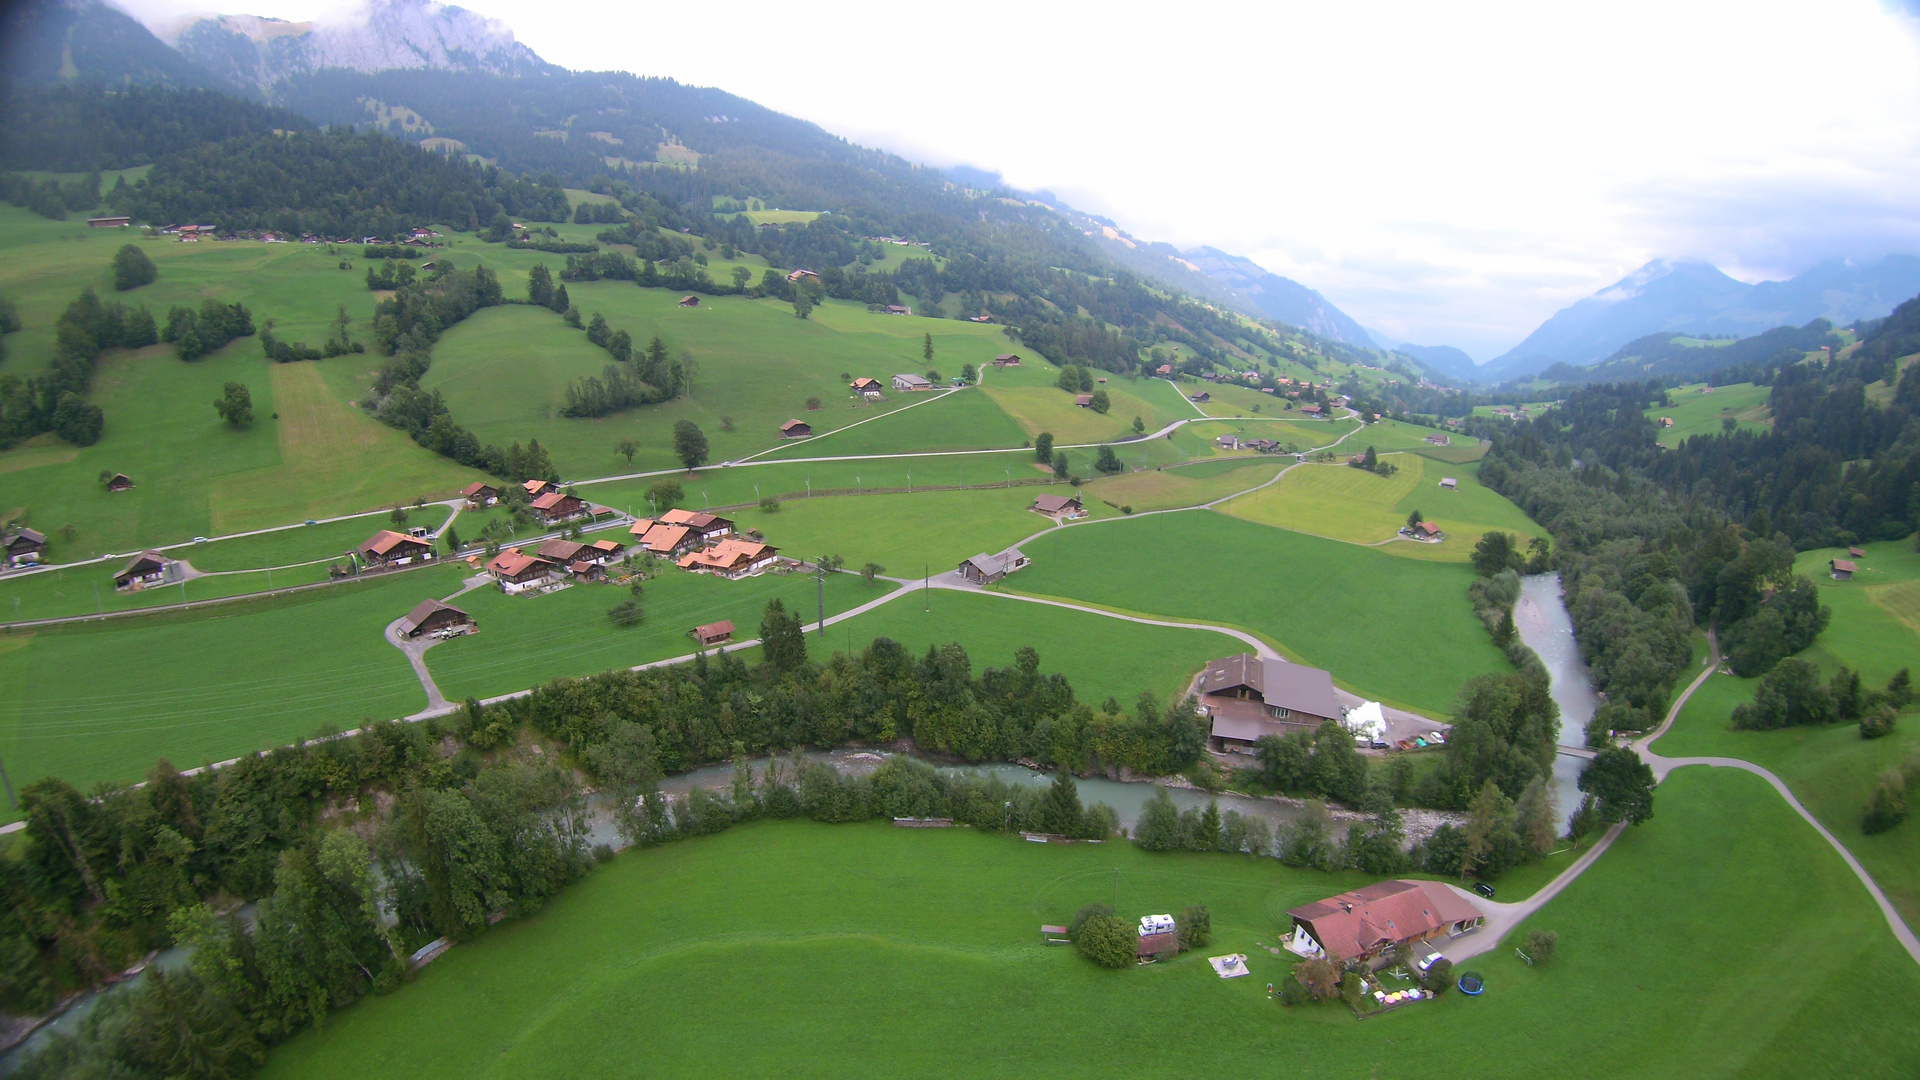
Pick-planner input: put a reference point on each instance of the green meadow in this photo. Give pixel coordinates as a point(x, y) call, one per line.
point(1399, 630)
point(1101, 656)
point(505, 371)
point(917, 423)
point(524, 641)
point(902, 952)
point(1830, 768)
point(97, 702)
point(1182, 485)
point(903, 533)
point(1049, 408)
point(1699, 409)
point(1344, 503)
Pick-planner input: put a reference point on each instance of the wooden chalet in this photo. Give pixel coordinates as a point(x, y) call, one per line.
point(1246, 697)
point(430, 616)
point(605, 551)
point(389, 548)
point(119, 482)
point(1426, 532)
point(24, 546)
point(1842, 569)
point(145, 569)
point(516, 571)
point(1200, 398)
point(587, 570)
point(867, 388)
point(558, 506)
point(480, 495)
point(1007, 359)
point(732, 558)
point(796, 429)
point(1310, 410)
point(561, 551)
point(666, 538)
point(713, 633)
point(899, 309)
point(1364, 923)
point(689, 301)
point(108, 222)
point(537, 488)
point(1438, 440)
point(1057, 506)
point(707, 527)
point(984, 569)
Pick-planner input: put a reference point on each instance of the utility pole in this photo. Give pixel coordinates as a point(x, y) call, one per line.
point(820, 583)
point(926, 585)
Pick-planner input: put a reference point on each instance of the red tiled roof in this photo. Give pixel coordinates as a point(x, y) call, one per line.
point(386, 540)
point(513, 562)
point(1845, 566)
point(476, 488)
point(552, 499)
point(1368, 919)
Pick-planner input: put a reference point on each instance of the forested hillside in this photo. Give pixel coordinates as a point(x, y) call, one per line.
point(81, 127)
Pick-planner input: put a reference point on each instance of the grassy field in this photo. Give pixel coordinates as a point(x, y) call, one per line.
point(1698, 409)
point(1344, 503)
point(527, 640)
point(505, 371)
point(903, 951)
point(307, 454)
point(900, 532)
point(1182, 485)
point(1831, 768)
point(1102, 657)
point(1049, 408)
point(960, 420)
point(1399, 630)
point(101, 701)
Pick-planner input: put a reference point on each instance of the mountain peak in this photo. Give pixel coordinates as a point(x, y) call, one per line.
point(394, 34)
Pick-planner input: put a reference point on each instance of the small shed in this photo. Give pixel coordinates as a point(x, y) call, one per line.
point(1085, 401)
point(119, 482)
point(430, 616)
point(1438, 440)
point(1007, 359)
point(1841, 569)
point(689, 301)
point(984, 569)
point(714, 633)
point(899, 309)
point(1449, 483)
point(1857, 552)
point(796, 429)
point(1154, 946)
point(1200, 398)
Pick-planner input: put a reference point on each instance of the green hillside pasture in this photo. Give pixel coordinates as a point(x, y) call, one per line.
point(1698, 409)
point(1344, 503)
point(193, 475)
point(828, 974)
point(903, 533)
point(1236, 400)
point(916, 423)
point(1829, 768)
point(305, 543)
point(527, 640)
point(1384, 435)
point(100, 701)
point(505, 372)
point(88, 589)
point(1399, 630)
point(743, 486)
point(1101, 657)
point(1184, 485)
point(1049, 408)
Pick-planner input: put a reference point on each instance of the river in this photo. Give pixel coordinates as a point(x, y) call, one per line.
point(1541, 617)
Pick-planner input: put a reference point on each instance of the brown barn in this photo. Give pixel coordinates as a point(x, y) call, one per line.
point(119, 482)
point(389, 547)
point(714, 633)
point(480, 495)
point(704, 525)
point(24, 546)
point(1007, 359)
point(984, 569)
point(1056, 506)
point(1247, 697)
point(432, 615)
point(515, 570)
point(562, 551)
point(144, 569)
point(558, 506)
point(689, 301)
point(1085, 401)
point(1842, 569)
point(796, 429)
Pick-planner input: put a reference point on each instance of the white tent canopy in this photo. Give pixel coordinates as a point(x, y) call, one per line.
point(1367, 722)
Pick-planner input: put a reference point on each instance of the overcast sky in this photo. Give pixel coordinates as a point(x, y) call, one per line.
point(1445, 173)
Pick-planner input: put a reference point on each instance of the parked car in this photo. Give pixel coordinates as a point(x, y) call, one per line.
point(199, 539)
point(1378, 744)
point(311, 521)
point(1436, 738)
point(1483, 889)
point(1426, 961)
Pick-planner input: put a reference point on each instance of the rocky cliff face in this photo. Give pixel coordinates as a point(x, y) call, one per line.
point(251, 51)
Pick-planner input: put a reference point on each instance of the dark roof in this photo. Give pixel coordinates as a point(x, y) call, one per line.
point(1053, 504)
point(1295, 687)
point(21, 532)
point(425, 608)
point(138, 562)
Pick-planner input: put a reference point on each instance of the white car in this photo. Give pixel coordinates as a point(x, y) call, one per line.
point(1427, 961)
point(1436, 737)
point(199, 539)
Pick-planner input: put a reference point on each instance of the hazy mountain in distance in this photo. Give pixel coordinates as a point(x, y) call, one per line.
point(256, 52)
point(1277, 297)
point(1696, 297)
point(1444, 359)
point(50, 41)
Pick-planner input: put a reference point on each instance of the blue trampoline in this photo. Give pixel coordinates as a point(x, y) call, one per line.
point(1471, 985)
